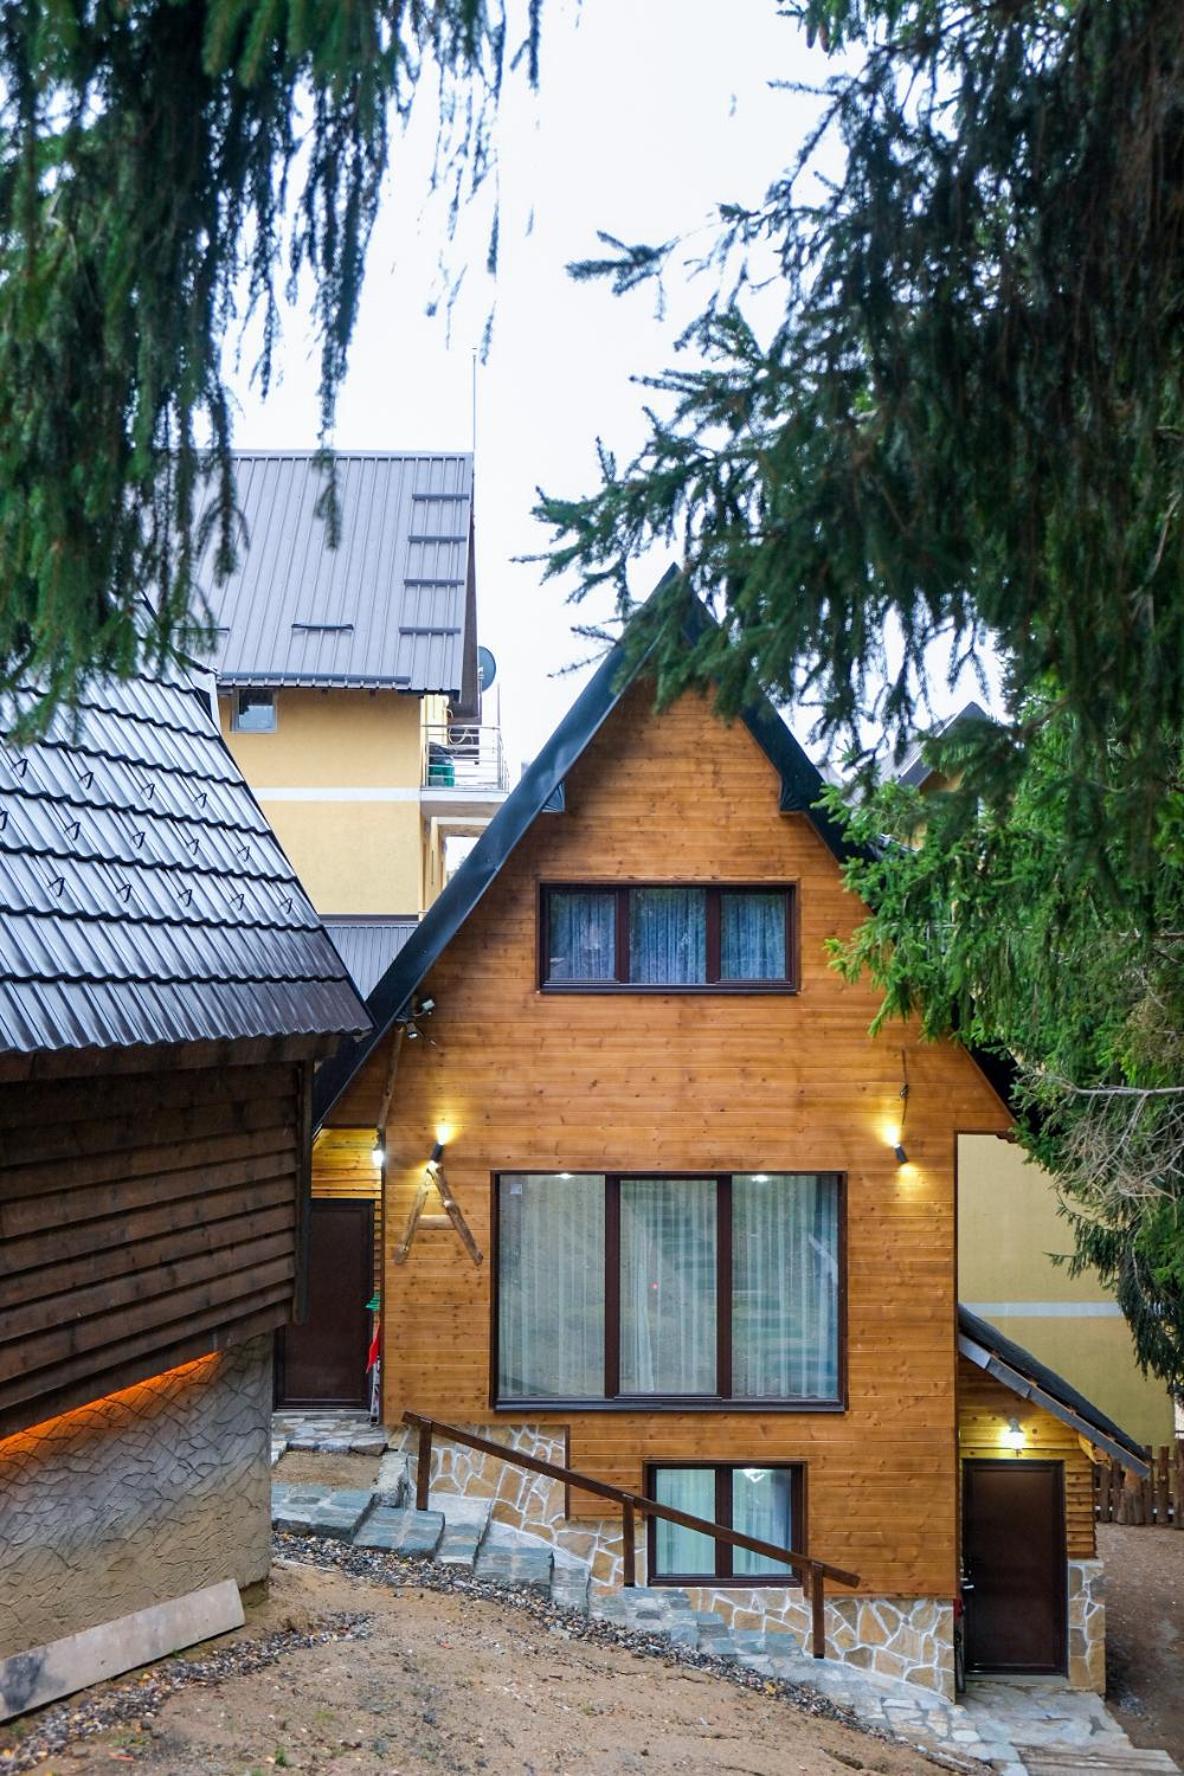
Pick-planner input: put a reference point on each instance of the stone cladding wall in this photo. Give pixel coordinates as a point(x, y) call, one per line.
point(903, 1637)
point(1087, 1626)
point(137, 1498)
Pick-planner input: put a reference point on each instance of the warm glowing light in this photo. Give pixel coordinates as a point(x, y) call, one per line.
point(444, 1133)
point(377, 1152)
point(1013, 1436)
point(891, 1134)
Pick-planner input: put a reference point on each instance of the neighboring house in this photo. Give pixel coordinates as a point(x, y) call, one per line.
point(165, 992)
point(349, 678)
point(707, 1263)
point(1009, 1231)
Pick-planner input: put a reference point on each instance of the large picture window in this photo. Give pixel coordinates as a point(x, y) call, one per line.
point(667, 938)
point(613, 1289)
point(766, 1503)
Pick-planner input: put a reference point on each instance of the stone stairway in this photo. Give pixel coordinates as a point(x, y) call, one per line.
point(1011, 1731)
point(460, 1532)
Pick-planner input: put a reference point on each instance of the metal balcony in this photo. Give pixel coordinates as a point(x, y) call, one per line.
point(461, 759)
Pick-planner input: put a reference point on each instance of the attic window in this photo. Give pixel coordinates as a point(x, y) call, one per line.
point(254, 712)
point(668, 937)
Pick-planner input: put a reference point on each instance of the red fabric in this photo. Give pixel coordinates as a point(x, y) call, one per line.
point(375, 1351)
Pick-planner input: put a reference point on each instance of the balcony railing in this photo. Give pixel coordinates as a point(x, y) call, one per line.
point(464, 756)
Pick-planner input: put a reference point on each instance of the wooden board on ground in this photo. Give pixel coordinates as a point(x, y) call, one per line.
point(45, 1673)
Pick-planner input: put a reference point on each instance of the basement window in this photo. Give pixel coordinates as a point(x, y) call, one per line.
point(254, 712)
point(764, 1502)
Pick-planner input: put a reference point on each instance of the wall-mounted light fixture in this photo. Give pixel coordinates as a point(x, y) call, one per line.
point(378, 1151)
point(1013, 1436)
point(898, 1148)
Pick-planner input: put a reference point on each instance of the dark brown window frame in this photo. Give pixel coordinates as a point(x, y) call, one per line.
point(617, 1402)
point(723, 1574)
point(713, 891)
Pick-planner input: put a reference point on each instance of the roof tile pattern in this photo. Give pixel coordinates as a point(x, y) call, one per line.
point(386, 608)
point(143, 896)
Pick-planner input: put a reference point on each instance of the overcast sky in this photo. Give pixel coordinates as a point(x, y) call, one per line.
point(650, 112)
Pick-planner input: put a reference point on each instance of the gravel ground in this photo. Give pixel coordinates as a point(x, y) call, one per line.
point(1145, 1633)
point(359, 1662)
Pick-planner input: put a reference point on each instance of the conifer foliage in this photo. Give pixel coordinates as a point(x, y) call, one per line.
point(167, 168)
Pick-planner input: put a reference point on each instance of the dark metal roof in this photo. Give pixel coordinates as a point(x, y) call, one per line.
point(143, 896)
point(801, 786)
point(369, 946)
point(916, 771)
point(387, 609)
point(1030, 1379)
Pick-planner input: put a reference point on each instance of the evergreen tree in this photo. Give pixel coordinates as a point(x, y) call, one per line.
point(161, 161)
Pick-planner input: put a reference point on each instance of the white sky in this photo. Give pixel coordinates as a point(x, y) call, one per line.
point(650, 112)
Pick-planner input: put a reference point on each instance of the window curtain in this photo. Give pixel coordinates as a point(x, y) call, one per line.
point(752, 937)
point(551, 1287)
point(667, 936)
point(581, 934)
point(678, 1551)
point(762, 1506)
point(668, 1286)
point(785, 1287)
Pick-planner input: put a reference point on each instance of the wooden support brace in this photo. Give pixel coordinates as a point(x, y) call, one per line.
point(434, 1178)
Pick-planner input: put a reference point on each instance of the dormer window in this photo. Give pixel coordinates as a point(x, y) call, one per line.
point(668, 937)
point(254, 712)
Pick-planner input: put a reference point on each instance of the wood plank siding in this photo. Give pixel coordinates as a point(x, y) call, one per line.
point(686, 1082)
point(343, 1169)
point(986, 1408)
point(145, 1218)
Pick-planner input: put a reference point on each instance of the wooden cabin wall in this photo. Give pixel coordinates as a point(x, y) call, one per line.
point(985, 1410)
point(146, 1217)
point(527, 1080)
point(343, 1169)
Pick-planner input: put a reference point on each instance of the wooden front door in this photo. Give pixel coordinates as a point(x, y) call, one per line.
point(1013, 1545)
point(323, 1361)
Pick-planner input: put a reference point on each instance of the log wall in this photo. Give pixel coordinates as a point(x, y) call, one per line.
point(146, 1217)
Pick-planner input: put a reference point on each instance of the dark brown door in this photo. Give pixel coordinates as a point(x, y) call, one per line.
point(323, 1361)
point(1013, 1543)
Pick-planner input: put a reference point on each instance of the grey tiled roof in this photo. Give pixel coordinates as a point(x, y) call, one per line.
point(386, 608)
point(369, 946)
point(143, 896)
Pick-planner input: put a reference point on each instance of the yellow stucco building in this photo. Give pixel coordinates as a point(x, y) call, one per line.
point(349, 683)
point(1010, 1235)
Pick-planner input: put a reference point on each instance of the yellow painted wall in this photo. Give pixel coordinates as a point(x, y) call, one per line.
point(357, 855)
point(1008, 1226)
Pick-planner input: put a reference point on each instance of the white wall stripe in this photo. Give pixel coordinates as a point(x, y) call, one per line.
point(328, 794)
point(1046, 1310)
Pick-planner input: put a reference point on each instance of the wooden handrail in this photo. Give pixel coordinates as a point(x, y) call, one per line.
point(813, 1573)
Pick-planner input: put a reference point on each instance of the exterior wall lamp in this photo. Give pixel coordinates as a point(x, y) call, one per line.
point(1013, 1436)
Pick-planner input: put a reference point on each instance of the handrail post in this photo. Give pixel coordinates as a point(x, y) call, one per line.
point(628, 1540)
point(817, 1613)
point(423, 1466)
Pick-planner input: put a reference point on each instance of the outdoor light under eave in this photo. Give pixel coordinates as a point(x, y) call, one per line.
point(378, 1151)
point(1013, 1436)
point(902, 1157)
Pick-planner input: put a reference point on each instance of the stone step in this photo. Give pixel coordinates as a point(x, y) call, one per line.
point(1110, 1760)
point(393, 1485)
point(527, 1569)
point(335, 1515)
point(397, 1530)
point(465, 1523)
point(569, 1587)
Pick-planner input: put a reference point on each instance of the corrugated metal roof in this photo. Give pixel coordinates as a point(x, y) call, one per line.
point(369, 946)
point(385, 609)
point(143, 896)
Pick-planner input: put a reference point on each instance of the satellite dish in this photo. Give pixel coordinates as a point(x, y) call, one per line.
point(486, 668)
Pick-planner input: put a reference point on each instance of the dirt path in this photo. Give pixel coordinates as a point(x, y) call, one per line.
point(1145, 1633)
point(456, 1685)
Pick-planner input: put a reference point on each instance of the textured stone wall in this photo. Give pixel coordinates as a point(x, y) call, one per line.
point(899, 1637)
point(1087, 1626)
point(139, 1497)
